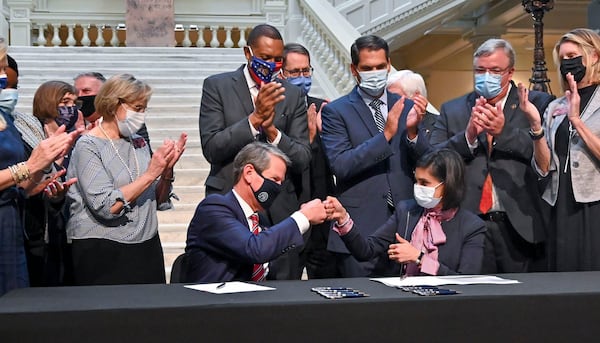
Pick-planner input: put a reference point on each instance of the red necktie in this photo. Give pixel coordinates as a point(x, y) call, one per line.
point(258, 271)
point(485, 204)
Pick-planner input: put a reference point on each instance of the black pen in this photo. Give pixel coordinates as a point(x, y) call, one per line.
point(403, 266)
point(221, 285)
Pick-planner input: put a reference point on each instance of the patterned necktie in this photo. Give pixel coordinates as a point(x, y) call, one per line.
point(486, 202)
point(380, 122)
point(258, 271)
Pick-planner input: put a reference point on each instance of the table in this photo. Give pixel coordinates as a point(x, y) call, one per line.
point(548, 307)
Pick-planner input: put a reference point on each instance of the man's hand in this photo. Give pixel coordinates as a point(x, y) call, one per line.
point(268, 96)
point(474, 127)
point(314, 211)
point(391, 124)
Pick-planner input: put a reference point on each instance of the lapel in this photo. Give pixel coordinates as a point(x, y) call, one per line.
point(240, 88)
point(237, 208)
point(413, 214)
point(592, 105)
point(362, 111)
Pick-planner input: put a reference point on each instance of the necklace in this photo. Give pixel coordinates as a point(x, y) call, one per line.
point(137, 164)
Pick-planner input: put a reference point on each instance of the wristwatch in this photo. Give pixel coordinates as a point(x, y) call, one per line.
point(535, 135)
point(418, 261)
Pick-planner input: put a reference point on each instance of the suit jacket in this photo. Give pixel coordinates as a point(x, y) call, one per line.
point(461, 254)
point(224, 131)
point(220, 246)
point(366, 166)
point(513, 177)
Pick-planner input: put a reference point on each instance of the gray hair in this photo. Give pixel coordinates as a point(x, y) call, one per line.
point(259, 155)
point(96, 75)
point(491, 45)
point(410, 82)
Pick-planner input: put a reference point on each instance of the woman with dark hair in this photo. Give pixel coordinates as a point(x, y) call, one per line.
point(429, 235)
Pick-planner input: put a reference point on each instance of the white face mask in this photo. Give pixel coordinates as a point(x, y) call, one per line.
point(373, 82)
point(132, 123)
point(424, 196)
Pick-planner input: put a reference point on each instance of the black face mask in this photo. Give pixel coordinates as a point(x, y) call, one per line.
point(267, 193)
point(574, 66)
point(87, 105)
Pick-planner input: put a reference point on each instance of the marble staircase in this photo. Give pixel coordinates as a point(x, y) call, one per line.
point(176, 76)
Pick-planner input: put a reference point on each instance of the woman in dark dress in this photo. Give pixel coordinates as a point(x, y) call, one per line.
point(567, 154)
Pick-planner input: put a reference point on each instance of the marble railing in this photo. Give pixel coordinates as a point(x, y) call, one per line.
point(328, 37)
point(185, 34)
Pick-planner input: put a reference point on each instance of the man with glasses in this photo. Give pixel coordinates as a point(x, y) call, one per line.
point(490, 131)
point(250, 104)
point(318, 181)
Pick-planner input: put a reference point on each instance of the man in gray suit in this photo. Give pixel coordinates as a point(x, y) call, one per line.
point(246, 105)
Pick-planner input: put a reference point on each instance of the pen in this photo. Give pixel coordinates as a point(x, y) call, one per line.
point(221, 285)
point(403, 266)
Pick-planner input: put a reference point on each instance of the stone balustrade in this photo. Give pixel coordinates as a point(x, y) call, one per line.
point(114, 34)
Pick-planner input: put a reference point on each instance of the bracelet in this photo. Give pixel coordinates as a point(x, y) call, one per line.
point(19, 172)
point(535, 135)
point(345, 221)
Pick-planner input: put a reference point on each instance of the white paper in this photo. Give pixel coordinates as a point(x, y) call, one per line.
point(229, 287)
point(444, 280)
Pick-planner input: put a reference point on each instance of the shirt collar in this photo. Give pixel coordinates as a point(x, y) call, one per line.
point(367, 98)
point(249, 80)
point(245, 207)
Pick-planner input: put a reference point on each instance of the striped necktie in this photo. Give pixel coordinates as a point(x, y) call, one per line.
point(258, 271)
point(380, 122)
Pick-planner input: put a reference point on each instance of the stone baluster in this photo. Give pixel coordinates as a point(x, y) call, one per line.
point(228, 42)
point(186, 42)
point(85, 38)
point(114, 40)
point(242, 42)
point(200, 43)
point(100, 37)
point(56, 41)
point(70, 37)
point(214, 42)
point(41, 39)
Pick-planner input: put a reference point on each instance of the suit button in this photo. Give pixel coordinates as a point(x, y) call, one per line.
point(575, 140)
point(293, 246)
point(575, 164)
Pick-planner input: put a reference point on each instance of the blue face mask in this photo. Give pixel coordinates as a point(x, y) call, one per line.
point(261, 70)
point(67, 116)
point(8, 99)
point(301, 81)
point(3, 81)
point(488, 85)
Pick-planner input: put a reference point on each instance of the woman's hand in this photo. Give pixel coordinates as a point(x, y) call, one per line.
point(531, 112)
point(574, 101)
point(50, 149)
point(403, 251)
point(56, 189)
point(335, 211)
point(179, 149)
point(161, 159)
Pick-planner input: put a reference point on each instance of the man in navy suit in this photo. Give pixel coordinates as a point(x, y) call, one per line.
point(368, 135)
point(225, 239)
point(492, 134)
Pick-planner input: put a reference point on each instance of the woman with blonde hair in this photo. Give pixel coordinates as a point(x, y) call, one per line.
point(113, 224)
point(567, 153)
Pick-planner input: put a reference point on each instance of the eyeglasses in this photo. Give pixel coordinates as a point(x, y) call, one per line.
point(306, 72)
point(493, 71)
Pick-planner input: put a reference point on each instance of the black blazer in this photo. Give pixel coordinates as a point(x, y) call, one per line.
point(461, 254)
point(509, 163)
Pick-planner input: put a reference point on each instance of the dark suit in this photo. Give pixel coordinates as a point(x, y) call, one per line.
point(366, 166)
point(224, 131)
point(461, 254)
point(318, 184)
point(509, 164)
point(220, 246)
